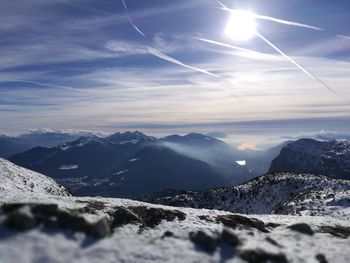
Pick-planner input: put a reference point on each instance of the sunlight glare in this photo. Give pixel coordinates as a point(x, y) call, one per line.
point(241, 26)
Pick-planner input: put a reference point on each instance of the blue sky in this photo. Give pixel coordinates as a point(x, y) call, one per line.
point(80, 64)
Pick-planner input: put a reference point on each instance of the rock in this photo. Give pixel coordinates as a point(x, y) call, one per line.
point(167, 234)
point(272, 225)
point(22, 218)
point(101, 228)
point(273, 242)
point(45, 209)
point(229, 237)
point(151, 216)
point(337, 231)
point(234, 220)
point(302, 228)
point(73, 222)
point(122, 216)
point(261, 256)
point(203, 240)
point(321, 258)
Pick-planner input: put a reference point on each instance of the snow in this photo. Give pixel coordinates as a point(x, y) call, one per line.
point(128, 244)
point(15, 179)
point(120, 172)
point(69, 167)
point(241, 163)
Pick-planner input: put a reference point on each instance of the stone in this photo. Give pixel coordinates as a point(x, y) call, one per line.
point(229, 237)
point(261, 256)
point(302, 228)
point(22, 219)
point(203, 240)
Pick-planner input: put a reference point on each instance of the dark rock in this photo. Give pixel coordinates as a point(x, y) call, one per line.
point(261, 256)
point(321, 258)
point(229, 237)
point(273, 242)
point(302, 228)
point(234, 220)
point(101, 228)
point(272, 225)
point(22, 219)
point(203, 240)
point(7, 208)
point(151, 217)
point(337, 231)
point(167, 234)
point(122, 216)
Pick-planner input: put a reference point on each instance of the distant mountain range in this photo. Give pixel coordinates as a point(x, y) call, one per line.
point(10, 145)
point(329, 158)
point(132, 164)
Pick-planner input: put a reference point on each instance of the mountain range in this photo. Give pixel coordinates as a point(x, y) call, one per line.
point(10, 145)
point(132, 164)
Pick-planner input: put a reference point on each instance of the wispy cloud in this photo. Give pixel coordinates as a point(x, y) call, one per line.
point(165, 57)
point(344, 37)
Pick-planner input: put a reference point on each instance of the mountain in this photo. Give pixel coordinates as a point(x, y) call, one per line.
point(122, 165)
point(329, 158)
point(45, 228)
point(15, 179)
point(218, 154)
point(10, 145)
point(271, 193)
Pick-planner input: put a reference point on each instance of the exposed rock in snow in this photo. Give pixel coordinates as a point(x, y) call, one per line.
point(15, 179)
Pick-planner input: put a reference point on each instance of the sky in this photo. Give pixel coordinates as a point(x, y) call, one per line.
point(102, 65)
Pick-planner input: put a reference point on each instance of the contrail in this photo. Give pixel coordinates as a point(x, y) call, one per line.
point(39, 83)
point(299, 66)
point(131, 21)
point(165, 57)
point(96, 10)
point(273, 19)
point(345, 37)
point(226, 45)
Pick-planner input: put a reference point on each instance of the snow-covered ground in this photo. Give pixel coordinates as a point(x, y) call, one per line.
point(169, 241)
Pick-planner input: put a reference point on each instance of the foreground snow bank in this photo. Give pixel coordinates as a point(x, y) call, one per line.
point(140, 232)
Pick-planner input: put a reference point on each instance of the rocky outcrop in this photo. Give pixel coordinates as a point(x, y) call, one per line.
point(328, 158)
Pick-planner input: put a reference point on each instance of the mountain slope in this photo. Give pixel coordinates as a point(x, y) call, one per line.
point(262, 195)
point(15, 179)
point(329, 158)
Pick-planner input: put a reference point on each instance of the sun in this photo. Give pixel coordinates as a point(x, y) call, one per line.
point(241, 26)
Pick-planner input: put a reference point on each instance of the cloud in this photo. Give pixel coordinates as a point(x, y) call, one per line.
point(165, 57)
point(125, 48)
